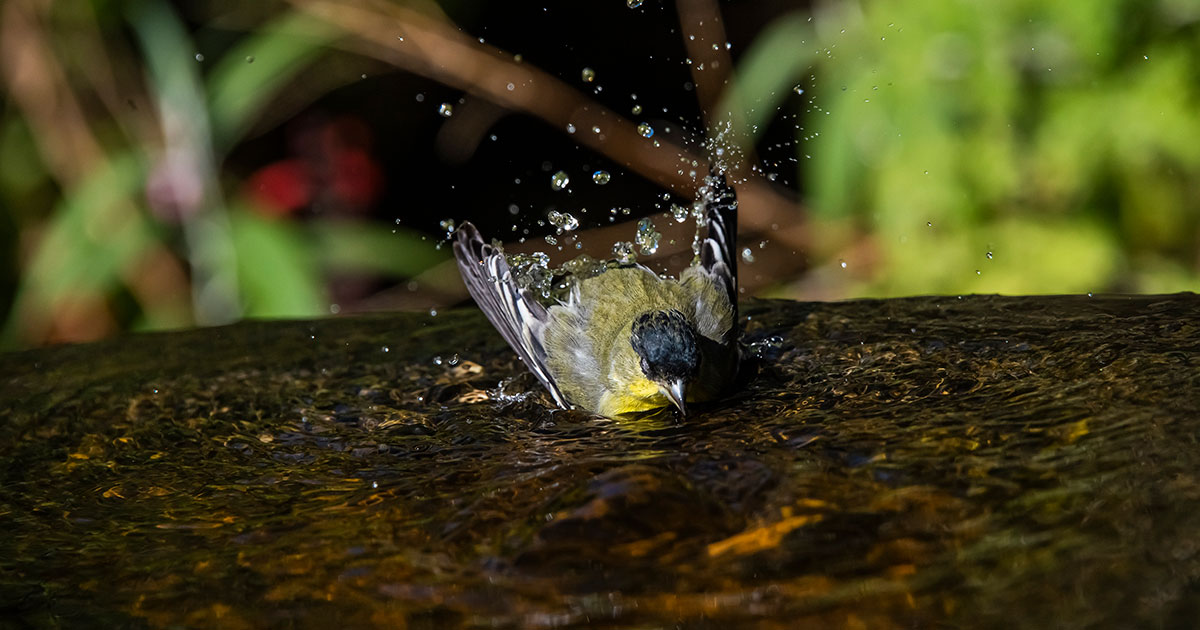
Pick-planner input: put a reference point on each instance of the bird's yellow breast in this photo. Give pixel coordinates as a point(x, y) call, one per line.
point(633, 396)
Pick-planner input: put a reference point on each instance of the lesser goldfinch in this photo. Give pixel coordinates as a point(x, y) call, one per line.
point(626, 340)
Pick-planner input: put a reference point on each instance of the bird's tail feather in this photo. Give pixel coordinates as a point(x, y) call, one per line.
point(717, 252)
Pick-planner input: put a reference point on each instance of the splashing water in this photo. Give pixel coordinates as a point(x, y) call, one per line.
point(623, 252)
point(564, 221)
point(647, 237)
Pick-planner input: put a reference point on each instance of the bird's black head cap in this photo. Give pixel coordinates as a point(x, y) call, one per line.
point(665, 341)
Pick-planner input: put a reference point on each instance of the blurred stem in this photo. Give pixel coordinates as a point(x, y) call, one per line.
point(187, 163)
point(704, 38)
point(110, 68)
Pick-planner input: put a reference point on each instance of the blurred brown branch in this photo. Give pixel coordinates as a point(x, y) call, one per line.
point(429, 45)
point(704, 38)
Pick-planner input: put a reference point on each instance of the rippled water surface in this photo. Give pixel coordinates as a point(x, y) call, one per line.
point(978, 461)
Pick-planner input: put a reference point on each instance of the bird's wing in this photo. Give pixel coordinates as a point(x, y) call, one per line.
point(718, 255)
point(511, 309)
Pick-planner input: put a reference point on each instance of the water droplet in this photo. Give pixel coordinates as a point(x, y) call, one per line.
point(747, 255)
point(385, 349)
point(679, 212)
point(842, 263)
point(989, 255)
point(601, 177)
point(798, 89)
point(636, 109)
point(645, 130)
point(596, 129)
point(433, 312)
point(438, 359)
point(623, 252)
point(511, 87)
point(633, 4)
point(765, 347)
point(446, 110)
point(929, 223)
point(199, 57)
point(647, 237)
point(570, 128)
point(447, 225)
point(250, 59)
point(564, 221)
point(588, 75)
point(559, 180)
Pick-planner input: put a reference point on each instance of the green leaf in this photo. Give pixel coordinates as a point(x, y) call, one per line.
point(365, 247)
point(277, 272)
point(96, 231)
point(257, 67)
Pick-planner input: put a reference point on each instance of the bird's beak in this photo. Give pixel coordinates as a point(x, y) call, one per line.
point(676, 392)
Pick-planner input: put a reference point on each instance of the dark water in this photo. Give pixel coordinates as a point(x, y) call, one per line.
point(977, 462)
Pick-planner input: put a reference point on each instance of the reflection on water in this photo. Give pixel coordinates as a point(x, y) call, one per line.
point(991, 462)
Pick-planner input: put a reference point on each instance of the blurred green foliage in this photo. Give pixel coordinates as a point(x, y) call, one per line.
point(85, 252)
point(1014, 147)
